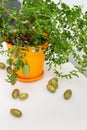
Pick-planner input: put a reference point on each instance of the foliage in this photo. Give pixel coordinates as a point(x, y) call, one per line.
point(66, 30)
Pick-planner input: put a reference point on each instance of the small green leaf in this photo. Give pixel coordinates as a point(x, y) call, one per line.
point(1, 45)
point(15, 51)
point(12, 78)
point(1, 22)
point(26, 69)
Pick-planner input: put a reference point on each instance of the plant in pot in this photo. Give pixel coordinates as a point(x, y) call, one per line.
point(55, 31)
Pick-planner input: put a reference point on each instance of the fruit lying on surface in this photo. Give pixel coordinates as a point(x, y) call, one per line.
point(52, 85)
point(16, 112)
point(2, 65)
point(15, 93)
point(23, 96)
point(51, 88)
point(67, 94)
point(54, 82)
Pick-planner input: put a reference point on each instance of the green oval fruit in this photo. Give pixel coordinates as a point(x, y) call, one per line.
point(9, 70)
point(16, 112)
point(2, 65)
point(15, 93)
point(23, 96)
point(51, 88)
point(26, 69)
point(54, 82)
point(67, 94)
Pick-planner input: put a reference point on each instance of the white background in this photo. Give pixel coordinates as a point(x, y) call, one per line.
point(73, 2)
point(44, 110)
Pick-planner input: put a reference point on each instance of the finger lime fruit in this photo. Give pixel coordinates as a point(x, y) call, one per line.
point(51, 88)
point(23, 96)
point(67, 94)
point(15, 93)
point(16, 112)
point(9, 70)
point(54, 82)
point(2, 65)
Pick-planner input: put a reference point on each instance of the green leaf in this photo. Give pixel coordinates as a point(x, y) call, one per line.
point(26, 69)
point(1, 22)
point(12, 78)
point(1, 45)
point(15, 51)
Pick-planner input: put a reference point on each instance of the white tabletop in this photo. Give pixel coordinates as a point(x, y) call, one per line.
point(44, 110)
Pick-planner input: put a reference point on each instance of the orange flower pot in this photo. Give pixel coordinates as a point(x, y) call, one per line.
point(35, 61)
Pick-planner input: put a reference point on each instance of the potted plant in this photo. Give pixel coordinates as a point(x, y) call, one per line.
point(54, 30)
